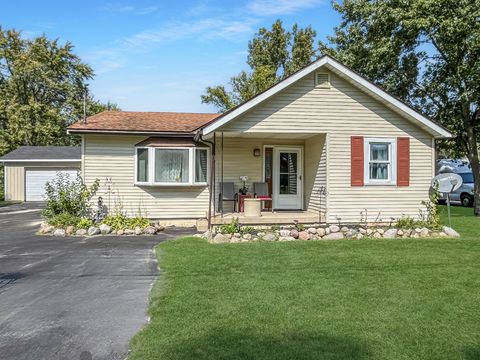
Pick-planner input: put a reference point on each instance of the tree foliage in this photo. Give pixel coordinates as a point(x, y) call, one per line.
point(42, 88)
point(273, 54)
point(427, 52)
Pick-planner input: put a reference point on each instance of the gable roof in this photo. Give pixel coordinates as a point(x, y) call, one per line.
point(367, 86)
point(43, 153)
point(142, 122)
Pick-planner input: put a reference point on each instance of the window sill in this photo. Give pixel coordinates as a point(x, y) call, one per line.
point(380, 184)
point(171, 184)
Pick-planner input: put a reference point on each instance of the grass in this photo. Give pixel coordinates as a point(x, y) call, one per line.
point(6, 203)
point(348, 299)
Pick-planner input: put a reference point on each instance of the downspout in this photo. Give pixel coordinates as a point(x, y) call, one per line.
point(199, 137)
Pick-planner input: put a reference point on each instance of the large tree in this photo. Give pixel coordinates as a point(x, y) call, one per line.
point(42, 90)
point(273, 54)
point(427, 52)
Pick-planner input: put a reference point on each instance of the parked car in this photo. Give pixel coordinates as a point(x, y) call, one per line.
point(464, 194)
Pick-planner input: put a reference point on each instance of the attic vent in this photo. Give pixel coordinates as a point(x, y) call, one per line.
point(322, 80)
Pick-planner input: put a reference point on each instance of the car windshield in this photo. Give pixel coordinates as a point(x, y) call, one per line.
point(467, 177)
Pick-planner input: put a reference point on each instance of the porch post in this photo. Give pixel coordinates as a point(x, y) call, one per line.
point(212, 185)
point(221, 189)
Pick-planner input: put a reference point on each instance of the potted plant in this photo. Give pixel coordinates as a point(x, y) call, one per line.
point(244, 189)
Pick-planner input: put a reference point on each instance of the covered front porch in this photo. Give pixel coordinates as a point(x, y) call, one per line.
point(291, 165)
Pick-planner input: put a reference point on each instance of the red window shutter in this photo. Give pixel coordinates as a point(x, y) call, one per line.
point(357, 158)
point(403, 161)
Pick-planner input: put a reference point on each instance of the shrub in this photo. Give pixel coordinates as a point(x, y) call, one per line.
point(63, 220)
point(231, 228)
point(120, 221)
point(247, 229)
point(68, 196)
point(84, 223)
point(410, 223)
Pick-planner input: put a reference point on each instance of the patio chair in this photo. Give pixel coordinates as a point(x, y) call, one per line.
point(260, 191)
point(228, 194)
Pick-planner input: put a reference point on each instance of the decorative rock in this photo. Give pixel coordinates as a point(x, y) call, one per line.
point(327, 231)
point(207, 234)
point(344, 229)
point(255, 238)
point(362, 231)
point(234, 239)
point(407, 232)
point(377, 235)
point(333, 236)
point(294, 233)
point(390, 233)
point(69, 230)
point(418, 230)
point(312, 230)
point(269, 237)
point(400, 232)
point(450, 232)
point(219, 239)
point(284, 232)
point(228, 236)
point(261, 234)
point(92, 230)
point(349, 234)
point(380, 231)
point(120, 232)
point(150, 230)
point(105, 229)
point(237, 235)
point(359, 236)
point(138, 230)
point(415, 235)
point(334, 228)
point(81, 232)
point(286, 238)
point(159, 227)
point(320, 231)
point(46, 229)
point(424, 232)
point(442, 234)
point(129, 232)
point(369, 231)
point(303, 235)
point(59, 232)
point(314, 237)
point(247, 236)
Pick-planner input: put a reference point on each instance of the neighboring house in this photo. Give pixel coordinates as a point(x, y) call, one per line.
point(29, 168)
point(332, 146)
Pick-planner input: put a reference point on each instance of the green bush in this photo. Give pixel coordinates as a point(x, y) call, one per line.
point(120, 221)
point(231, 228)
point(410, 223)
point(68, 196)
point(247, 229)
point(63, 220)
point(84, 223)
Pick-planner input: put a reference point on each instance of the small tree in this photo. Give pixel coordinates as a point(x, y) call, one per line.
point(69, 196)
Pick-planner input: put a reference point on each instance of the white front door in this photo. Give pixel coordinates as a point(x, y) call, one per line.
point(287, 178)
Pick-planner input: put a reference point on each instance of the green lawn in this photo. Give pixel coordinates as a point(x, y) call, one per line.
point(347, 299)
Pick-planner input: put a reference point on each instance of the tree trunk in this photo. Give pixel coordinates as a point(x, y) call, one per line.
point(474, 163)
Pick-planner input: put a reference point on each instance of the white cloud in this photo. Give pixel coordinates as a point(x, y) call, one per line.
point(280, 7)
point(121, 8)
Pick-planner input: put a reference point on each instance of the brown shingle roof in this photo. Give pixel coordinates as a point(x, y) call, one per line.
point(132, 121)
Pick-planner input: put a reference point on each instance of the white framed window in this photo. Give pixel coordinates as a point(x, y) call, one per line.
point(380, 161)
point(171, 166)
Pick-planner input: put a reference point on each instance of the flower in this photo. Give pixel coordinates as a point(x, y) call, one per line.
point(244, 178)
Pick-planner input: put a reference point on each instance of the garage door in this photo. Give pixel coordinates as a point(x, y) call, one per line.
point(35, 181)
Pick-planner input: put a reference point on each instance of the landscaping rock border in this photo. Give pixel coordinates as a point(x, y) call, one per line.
point(101, 229)
point(331, 232)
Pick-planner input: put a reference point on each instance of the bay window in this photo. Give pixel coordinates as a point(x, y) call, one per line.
point(380, 161)
point(171, 166)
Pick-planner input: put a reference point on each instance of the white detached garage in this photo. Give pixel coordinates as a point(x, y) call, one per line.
point(29, 168)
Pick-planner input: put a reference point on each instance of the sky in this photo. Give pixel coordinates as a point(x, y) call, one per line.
point(161, 55)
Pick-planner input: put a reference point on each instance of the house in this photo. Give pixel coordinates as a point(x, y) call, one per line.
point(332, 146)
point(29, 168)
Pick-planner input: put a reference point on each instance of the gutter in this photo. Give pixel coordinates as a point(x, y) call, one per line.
point(131, 132)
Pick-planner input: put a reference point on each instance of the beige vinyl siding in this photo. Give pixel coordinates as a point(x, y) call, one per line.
point(14, 183)
point(238, 160)
point(315, 174)
point(112, 156)
point(342, 111)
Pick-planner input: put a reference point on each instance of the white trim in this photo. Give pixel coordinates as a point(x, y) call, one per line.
point(392, 153)
point(40, 160)
point(151, 167)
point(437, 130)
point(5, 184)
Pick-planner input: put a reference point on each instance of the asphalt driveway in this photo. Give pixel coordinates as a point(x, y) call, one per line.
point(71, 298)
